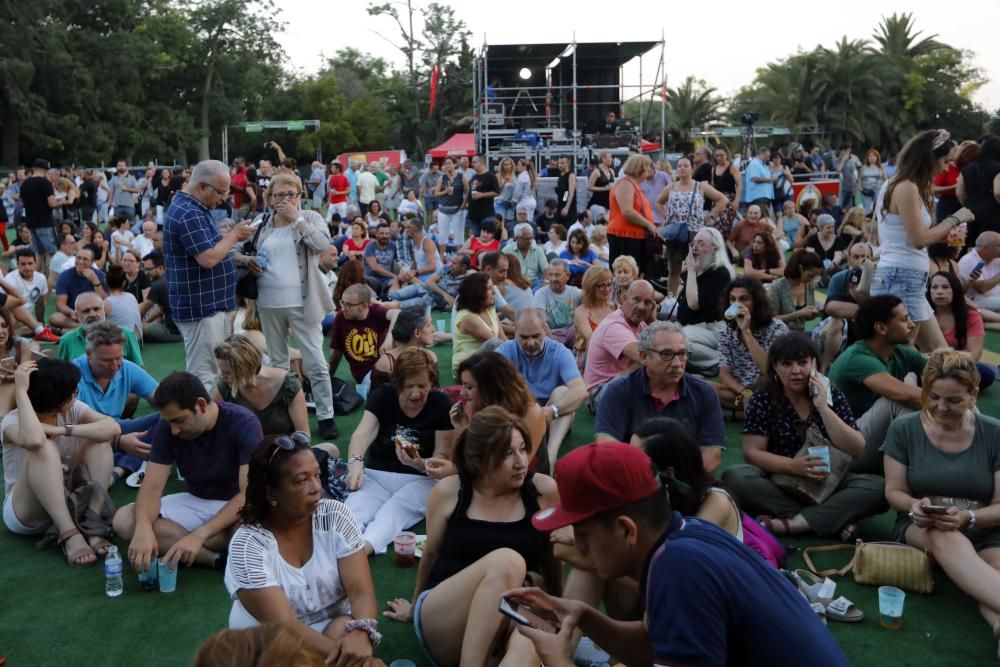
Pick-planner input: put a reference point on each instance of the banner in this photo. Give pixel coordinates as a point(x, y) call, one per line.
point(434, 88)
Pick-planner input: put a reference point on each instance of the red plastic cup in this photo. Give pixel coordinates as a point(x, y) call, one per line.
point(405, 546)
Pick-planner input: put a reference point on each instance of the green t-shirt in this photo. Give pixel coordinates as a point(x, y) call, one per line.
point(932, 472)
point(859, 362)
point(382, 177)
point(74, 344)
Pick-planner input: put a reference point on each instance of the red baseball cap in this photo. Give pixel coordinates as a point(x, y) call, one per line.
point(596, 478)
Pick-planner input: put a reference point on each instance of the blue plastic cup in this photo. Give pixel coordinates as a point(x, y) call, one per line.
point(402, 662)
point(167, 577)
point(890, 607)
point(442, 325)
point(148, 579)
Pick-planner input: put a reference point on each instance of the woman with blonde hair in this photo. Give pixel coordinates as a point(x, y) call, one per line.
point(504, 203)
point(625, 270)
point(524, 187)
point(942, 476)
point(599, 244)
point(630, 221)
point(595, 305)
point(292, 293)
point(266, 645)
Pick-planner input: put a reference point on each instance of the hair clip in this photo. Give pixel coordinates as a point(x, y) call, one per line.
point(940, 139)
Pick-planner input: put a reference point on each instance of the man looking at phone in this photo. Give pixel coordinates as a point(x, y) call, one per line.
point(980, 268)
point(708, 598)
point(201, 276)
point(873, 371)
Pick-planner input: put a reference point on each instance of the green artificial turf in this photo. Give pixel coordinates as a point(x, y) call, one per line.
point(54, 615)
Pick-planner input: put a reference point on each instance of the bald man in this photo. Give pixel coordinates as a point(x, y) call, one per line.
point(550, 370)
point(614, 345)
point(201, 276)
point(360, 331)
point(981, 268)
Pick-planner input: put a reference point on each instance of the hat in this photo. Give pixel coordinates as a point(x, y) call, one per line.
point(596, 478)
point(40, 163)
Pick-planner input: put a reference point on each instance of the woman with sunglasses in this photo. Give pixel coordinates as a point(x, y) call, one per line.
point(299, 559)
point(405, 422)
point(594, 306)
point(778, 417)
point(291, 289)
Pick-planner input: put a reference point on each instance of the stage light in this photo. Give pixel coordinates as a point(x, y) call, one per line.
point(525, 73)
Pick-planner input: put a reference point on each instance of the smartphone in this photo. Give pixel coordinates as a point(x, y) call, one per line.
point(525, 615)
point(934, 509)
point(8, 364)
point(256, 223)
point(459, 409)
point(979, 267)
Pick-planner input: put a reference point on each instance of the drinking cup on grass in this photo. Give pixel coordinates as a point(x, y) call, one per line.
point(405, 546)
point(167, 577)
point(890, 607)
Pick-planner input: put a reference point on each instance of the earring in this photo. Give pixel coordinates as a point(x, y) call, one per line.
point(274, 503)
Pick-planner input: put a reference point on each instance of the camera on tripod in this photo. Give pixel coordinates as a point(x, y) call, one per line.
point(750, 117)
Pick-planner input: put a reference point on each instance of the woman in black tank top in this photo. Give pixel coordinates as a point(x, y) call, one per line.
point(480, 543)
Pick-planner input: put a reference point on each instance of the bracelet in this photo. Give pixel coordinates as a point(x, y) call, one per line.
point(356, 459)
point(972, 519)
point(369, 625)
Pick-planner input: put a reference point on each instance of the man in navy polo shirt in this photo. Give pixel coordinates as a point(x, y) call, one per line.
point(709, 600)
point(550, 370)
point(201, 276)
point(80, 279)
point(107, 381)
point(661, 388)
point(211, 443)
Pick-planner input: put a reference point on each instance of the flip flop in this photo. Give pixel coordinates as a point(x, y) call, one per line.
point(843, 610)
point(769, 521)
point(82, 552)
point(101, 548)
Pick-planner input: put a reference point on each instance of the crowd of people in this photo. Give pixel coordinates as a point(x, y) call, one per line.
point(666, 300)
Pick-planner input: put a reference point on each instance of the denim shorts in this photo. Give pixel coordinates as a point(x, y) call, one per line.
point(417, 628)
point(45, 240)
point(910, 285)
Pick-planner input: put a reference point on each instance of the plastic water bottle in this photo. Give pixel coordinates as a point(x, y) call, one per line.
point(113, 584)
point(262, 259)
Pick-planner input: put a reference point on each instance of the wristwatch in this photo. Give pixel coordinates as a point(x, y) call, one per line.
point(555, 410)
point(972, 519)
point(69, 430)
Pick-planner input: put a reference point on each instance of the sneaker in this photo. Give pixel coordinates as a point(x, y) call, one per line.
point(134, 480)
point(328, 429)
point(310, 401)
point(46, 335)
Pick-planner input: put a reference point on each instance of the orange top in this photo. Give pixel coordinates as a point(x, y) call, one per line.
point(618, 225)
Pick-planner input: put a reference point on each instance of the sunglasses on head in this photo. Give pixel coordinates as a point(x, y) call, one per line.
point(288, 443)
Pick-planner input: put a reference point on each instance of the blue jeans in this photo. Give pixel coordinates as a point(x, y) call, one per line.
point(123, 211)
point(138, 425)
point(327, 323)
point(44, 240)
point(412, 295)
point(910, 285)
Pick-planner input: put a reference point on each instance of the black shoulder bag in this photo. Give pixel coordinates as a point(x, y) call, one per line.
point(246, 280)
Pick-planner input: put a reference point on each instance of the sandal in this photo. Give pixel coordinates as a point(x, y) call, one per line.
point(843, 610)
point(99, 545)
point(77, 554)
point(769, 522)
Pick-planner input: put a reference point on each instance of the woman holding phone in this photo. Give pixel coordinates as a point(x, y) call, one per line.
point(480, 543)
point(778, 416)
point(942, 476)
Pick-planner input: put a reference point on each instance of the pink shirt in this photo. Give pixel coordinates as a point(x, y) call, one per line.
point(973, 328)
point(605, 354)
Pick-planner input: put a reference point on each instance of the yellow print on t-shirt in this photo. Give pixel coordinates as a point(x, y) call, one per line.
point(361, 344)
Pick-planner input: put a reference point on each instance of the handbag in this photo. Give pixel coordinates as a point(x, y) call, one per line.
point(246, 280)
point(677, 233)
point(346, 398)
point(881, 564)
point(79, 488)
point(814, 491)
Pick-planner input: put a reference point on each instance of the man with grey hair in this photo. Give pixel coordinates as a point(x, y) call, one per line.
point(558, 301)
point(112, 385)
point(550, 370)
point(90, 309)
point(701, 300)
point(524, 248)
point(981, 268)
point(661, 388)
point(201, 276)
point(702, 163)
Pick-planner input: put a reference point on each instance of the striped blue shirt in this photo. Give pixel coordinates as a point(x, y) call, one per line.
point(194, 292)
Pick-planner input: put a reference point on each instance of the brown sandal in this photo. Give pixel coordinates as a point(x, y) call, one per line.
point(770, 521)
point(82, 552)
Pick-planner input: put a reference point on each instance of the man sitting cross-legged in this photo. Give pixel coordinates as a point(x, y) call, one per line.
point(50, 429)
point(211, 443)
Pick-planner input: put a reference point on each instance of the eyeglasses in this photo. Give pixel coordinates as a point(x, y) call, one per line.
point(603, 285)
point(288, 443)
point(279, 196)
point(221, 193)
point(668, 355)
point(345, 304)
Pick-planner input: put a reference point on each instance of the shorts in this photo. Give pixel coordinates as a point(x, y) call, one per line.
point(418, 630)
point(44, 240)
point(191, 512)
point(14, 524)
point(340, 207)
point(910, 285)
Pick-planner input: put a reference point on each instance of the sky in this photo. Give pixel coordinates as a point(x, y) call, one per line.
point(723, 45)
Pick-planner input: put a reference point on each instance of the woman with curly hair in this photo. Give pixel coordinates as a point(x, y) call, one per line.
point(763, 260)
point(300, 559)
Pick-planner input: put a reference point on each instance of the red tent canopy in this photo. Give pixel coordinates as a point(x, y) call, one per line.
point(457, 145)
point(649, 146)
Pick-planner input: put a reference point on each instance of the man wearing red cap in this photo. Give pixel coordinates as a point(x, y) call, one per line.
point(709, 600)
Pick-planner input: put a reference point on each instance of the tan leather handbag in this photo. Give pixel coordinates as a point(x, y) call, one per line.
point(881, 564)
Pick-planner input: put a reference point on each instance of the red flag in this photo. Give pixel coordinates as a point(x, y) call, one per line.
point(434, 88)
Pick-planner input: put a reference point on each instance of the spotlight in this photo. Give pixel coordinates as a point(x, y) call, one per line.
point(525, 73)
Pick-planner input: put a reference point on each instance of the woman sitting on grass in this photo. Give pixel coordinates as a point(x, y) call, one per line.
point(778, 417)
point(480, 543)
point(595, 305)
point(961, 324)
point(942, 476)
point(413, 328)
point(794, 294)
point(763, 260)
point(578, 255)
point(299, 559)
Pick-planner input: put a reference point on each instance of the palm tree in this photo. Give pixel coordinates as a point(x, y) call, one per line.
point(693, 104)
point(898, 42)
point(847, 84)
point(783, 91)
